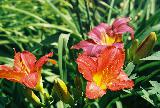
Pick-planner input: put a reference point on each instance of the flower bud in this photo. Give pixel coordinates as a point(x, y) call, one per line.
point(32, 97)
point(145, 47)
point(132, 49)
point(39, 86)
point(62, 91)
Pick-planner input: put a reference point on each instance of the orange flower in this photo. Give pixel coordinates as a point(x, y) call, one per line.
point(26, 69)
point(104, 72)
point(105, 35)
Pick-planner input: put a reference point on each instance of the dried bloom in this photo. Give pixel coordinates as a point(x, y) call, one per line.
point(104, 72)
point(105, 35)
point(26, 69)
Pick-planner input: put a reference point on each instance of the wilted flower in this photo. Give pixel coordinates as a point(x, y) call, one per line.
point(26, 69)
point(105, 35)
point(104, 72)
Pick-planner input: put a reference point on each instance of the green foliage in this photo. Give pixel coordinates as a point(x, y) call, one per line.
point(62, 44)
point(155, 56)
point(129, 68)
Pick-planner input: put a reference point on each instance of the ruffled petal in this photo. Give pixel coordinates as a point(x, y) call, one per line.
point(123, 29)
point(42, 61)
point(121, 82)
point(28, 60)
point(11, 75)
point(98, 33)
point(30, 80)
point(120, 21)
point(17, 62)
point(5, 68)
point(86, 65)
point(119, 45)
point(83, 44)
point(112, 57)
point(89, 47)
point(110, 61)
point(93, 91)
point(121, 26)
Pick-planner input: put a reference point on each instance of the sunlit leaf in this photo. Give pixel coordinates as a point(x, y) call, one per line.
point(155, 56)
point(62, 46)
point(146, 96)
point(129, 68)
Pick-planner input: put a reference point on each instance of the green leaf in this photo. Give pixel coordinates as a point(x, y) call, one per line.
point(146, 96)
point(24, 12)
point(119, 104)
point(6, 60)
point(60, 104)
point(62, 44)
point(133, 76)
point(129, 68)
point(66, 19)
point(4, 101)
point(156, 87)
point(155, 56)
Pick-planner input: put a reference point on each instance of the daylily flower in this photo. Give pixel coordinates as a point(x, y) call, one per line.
point(26, 69)
point(105, 35)
point(104, 72)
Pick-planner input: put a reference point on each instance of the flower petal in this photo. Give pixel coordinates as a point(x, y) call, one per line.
point(43, 60)
point(28, 60)
point(93, 91)
point(112, 57)
point(30, 80)
point(120, 21)
point(121, 82)
point(89, 47)
point(83, 44)
point(17, 62)
point(98, 33)
point(86, 65)
point(121, 26)
point(6, 68)
point(123, 29)
point(119, 45)
point(110, 61)
point(11, 75)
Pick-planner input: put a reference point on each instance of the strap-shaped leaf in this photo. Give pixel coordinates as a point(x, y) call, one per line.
point(62, 45)
point(155, 56)
point(130, 67)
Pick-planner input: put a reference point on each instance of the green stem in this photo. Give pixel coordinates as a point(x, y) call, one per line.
point(88, 16)
point(110, 11)
point(118, 98)
point(122, 97)
point(108, 6)
point(149, 65)
point(78, 17)
point(146, 78)
point(154, 73)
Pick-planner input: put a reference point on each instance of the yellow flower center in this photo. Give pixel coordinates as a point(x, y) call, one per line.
point(97, 78)
point(109, 40)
